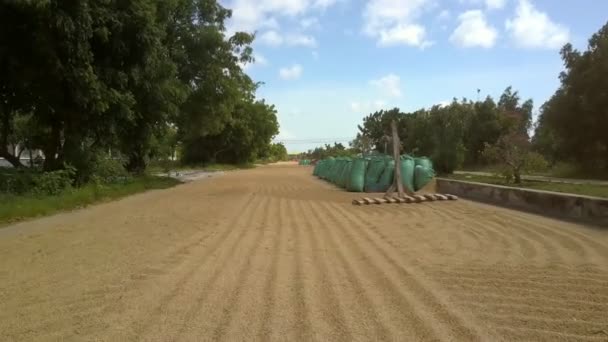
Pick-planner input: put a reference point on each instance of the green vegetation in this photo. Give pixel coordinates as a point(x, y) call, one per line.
point(277, 152)
point(136, 81)
point(103, 88)
point(166, 166)
point(572, 124)
point(454, 135)
point(571, 129)
point(580, 189)
point(323, 152)
point(18, 207)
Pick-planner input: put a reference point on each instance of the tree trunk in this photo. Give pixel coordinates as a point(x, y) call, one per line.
point(4, 152)
point(517, 176)
point(51, 149)
point(136, 164)
point(10, 158)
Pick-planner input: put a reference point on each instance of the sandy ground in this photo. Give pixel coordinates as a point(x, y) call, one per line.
point(275, 254)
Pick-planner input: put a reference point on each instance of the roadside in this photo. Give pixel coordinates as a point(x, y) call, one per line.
point(539, 178)
point(190, 175)
point(165, 167)
point(572, 186)
point(14, 208)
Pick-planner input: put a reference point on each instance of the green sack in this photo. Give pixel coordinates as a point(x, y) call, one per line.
point(356, 181)
point(374, 170)
point(407, 172)
point(422, 176)
point(388, 175)
point(379, 176)
point(424, 162)
point(344, 175)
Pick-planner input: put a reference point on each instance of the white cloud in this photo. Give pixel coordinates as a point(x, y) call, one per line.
point(298, 39)
point(490, 4)
point(474, 31)
point(259, 60)
point(355, 106)
point(251, 15)
point(270, 23)
point(531, 28)
point(310, 23)
point(291, 73)
point(392, 22)
point(367, 106)
point(495, 4)
point(390, 85)
point(443, 103)
point(274, 38)
point(379, 104)
point(408, 34)
point(443, 15)
point(323, 4)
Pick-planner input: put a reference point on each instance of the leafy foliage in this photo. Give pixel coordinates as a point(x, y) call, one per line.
point(141, 79)
point(337, 150)
point(513, 151)
point(19, 181)
point(54, 182)
point(277, 152)
point(572, 125)
point(453, 135)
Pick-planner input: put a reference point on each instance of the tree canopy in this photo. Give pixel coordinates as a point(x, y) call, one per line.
point(81, 78)
point(572, 124)
point(452, 135)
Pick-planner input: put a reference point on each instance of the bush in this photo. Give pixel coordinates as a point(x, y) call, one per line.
point(108, 171)
point(448, 158)
point(14, 181)
point(20, 181)
point(53, 183)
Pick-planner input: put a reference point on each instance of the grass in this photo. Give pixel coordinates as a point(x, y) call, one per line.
point(162, 167)
point(579, 189)
point(15, 208)
point(559, 170)
point(566, 170)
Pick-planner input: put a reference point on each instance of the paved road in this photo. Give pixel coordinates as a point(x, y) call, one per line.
point(273, 254)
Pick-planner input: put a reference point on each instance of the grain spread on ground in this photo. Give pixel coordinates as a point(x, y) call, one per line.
point(276, 254)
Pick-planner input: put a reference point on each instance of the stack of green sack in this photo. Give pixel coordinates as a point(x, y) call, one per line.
point(335, 170)
point(374, 174)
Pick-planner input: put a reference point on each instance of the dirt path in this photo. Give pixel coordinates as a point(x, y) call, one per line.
point(274, 254)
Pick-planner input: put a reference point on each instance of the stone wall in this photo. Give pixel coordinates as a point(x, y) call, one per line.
point(574, 207)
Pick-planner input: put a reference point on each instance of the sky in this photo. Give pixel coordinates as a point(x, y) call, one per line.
point(326, 64)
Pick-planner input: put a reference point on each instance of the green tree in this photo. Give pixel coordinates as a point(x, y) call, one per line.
point(576, 116)
point(483, 126)
point(448, 124)
point(209, 64)
point(278, 152)
point(513, 152)
point(246, 137)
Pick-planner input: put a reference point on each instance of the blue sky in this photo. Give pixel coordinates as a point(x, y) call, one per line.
point(328, 63)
